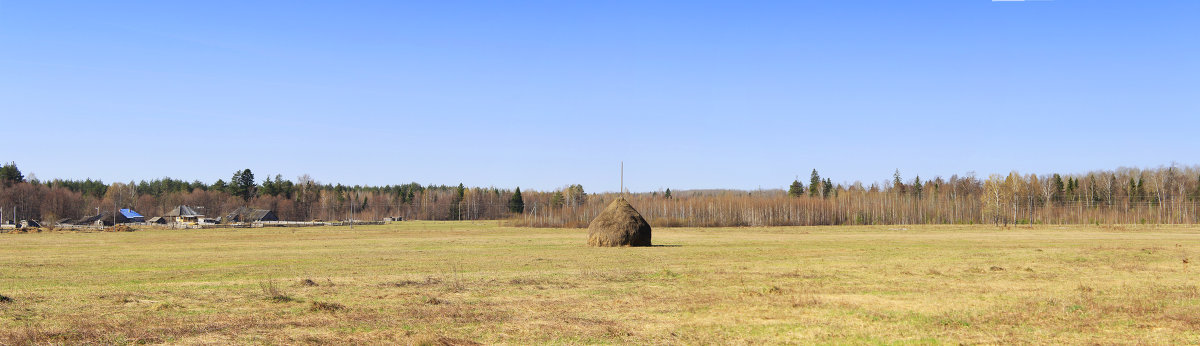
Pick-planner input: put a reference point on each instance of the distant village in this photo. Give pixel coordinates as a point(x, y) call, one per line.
point(184, 217)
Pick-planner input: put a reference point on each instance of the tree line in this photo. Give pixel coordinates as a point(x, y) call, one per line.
point(1163, 195)
point(302, 199)
point(1124, 195)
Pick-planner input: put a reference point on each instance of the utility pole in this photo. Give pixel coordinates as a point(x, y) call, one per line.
point(622, 179)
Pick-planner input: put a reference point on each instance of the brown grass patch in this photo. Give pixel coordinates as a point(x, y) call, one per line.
point(326, 307)
point(429, 281)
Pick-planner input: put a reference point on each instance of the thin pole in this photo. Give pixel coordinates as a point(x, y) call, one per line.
point(622, 179)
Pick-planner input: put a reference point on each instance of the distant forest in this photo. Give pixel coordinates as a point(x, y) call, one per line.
point(1121, 196)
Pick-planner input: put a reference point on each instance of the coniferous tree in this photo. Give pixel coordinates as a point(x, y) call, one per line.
point(459, 193)
point(556, 200)
point(897, 183)
point(917, 186)
point(1196, 194)
point(814, 181)
point(219, 186)
point(1058, 188)
point(516, 204)
point(10, 174)
point(1141, 189)
point(827, 188)
point(667, 195)
point(242, 184)
point(795, 190)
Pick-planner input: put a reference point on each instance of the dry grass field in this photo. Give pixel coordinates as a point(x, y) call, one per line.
point(462, 283)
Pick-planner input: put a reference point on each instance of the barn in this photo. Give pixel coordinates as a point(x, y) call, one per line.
point(244, 214)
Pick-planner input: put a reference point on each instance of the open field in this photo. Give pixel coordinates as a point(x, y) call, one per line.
point(457, 283)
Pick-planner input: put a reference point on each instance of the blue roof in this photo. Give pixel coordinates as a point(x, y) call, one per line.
point(129, 213)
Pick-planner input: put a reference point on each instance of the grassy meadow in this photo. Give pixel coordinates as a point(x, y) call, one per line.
point(477, 282)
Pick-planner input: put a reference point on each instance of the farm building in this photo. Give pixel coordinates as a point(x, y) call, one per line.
point(244, 214)
point(185, 214)
point(132, 216)
point(104, 218)
point(157, 220)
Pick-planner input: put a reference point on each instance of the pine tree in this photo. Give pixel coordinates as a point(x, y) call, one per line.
point(242, 184)
point(667, 195)
point(516, 204)
point(218, 186)
point(10, 174)
point(827, 188)
point(796, 190)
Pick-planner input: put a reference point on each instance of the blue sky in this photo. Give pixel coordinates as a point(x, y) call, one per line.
point(689, 94)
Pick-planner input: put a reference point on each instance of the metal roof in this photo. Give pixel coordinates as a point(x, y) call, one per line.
point(183, 210)
point(129, 213)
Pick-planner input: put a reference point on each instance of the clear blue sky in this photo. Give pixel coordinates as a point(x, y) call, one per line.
point(690, 94)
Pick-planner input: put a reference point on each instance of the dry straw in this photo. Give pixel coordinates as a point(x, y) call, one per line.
point(619, 225)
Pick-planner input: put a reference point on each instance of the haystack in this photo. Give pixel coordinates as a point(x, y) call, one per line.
point(619, 225)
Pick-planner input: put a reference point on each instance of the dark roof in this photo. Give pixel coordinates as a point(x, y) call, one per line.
point(107, 217)
point(184, 210)
point(89, 219)
point(259, 214)
point(244, 214)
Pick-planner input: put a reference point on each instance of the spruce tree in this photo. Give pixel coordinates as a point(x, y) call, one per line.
point(917, 186)
point(897, 183)
point(814, 181)
point(516, 204)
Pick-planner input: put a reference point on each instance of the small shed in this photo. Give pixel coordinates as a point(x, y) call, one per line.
point(157, 220)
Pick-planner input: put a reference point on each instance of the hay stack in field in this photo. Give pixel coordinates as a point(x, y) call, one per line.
point(619, 225)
